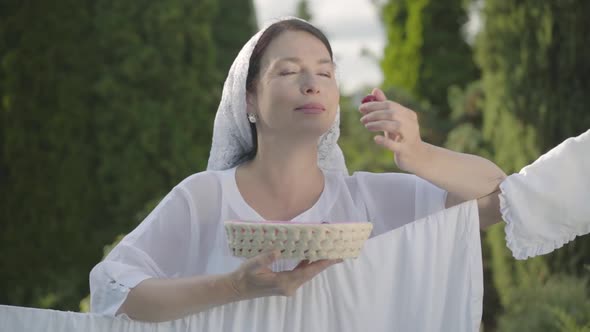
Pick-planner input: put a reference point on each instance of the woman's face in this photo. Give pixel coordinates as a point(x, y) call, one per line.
point(296, 77)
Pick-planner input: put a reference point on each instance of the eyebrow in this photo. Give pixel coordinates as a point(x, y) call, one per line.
point(298, 60)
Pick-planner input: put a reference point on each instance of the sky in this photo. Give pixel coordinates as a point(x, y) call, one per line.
point(355, 26)
point(350, 25)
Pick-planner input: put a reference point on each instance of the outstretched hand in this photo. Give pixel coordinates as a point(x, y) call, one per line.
point(255, 279)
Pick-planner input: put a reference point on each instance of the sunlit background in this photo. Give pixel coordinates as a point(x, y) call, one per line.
point(106, 105)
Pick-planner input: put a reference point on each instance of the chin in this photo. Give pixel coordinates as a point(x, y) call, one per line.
point(313, 130)
point(312, 126)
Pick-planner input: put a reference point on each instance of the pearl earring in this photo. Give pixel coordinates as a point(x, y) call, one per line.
point(252, 118)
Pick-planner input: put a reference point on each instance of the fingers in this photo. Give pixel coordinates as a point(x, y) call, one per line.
point(313, 269)
point(303, 263)
point(285, 283)
point(389, 143)
point(386, 114)
point(379, 94)
point(262, 260)
point(389, 122)
point(392, 127)
point(387, 105)
point(373, 106)
point(305, 271)
point(255, 279)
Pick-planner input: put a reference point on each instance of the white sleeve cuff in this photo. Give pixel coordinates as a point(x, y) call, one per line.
point(547, 204)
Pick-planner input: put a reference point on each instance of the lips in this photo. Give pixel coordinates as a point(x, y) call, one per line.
point(311, 108)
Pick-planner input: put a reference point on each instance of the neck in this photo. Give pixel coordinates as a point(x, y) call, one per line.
point(285, 169)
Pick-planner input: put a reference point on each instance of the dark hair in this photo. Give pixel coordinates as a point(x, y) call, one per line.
point(267, 37)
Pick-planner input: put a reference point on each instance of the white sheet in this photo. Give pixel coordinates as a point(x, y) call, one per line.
point(424, 276)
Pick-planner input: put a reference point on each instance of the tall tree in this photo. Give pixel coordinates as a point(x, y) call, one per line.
point(303, 10)
point(233, 25)
point(535, 74)
point(533, 57)
point(425, 52)
point(156, 95)
point(48, 64)
point(106, 106)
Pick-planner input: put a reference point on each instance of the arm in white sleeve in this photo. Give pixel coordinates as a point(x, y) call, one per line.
point(157, 248)
point(547, 204)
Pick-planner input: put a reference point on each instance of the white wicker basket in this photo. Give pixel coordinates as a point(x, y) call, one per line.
point(311, 241)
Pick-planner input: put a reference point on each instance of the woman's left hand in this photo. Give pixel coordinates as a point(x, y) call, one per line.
point(400, 127)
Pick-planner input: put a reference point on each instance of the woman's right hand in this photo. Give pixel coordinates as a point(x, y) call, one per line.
point(255, 279)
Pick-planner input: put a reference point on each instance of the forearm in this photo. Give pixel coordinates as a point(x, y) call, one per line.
point(466, 176)
point(159, 300)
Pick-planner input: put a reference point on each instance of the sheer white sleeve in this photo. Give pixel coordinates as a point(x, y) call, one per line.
point(395, 199)
point(547, 204)
point(157, 248)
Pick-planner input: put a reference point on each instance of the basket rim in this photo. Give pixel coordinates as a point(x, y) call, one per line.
point(295, 223)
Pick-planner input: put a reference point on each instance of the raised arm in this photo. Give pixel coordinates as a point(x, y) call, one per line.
point(463, 176)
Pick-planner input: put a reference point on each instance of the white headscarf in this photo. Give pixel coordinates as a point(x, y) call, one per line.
point(232, 136)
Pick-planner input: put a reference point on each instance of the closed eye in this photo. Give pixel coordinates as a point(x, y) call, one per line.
point(285, 73)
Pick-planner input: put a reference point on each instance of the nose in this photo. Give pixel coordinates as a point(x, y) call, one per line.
point(309, 85)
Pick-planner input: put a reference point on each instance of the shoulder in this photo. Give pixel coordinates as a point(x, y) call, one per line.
point(203, 192)
point(370, 179)
point(386, 176)
point(368, 185)
point(205, 181)
point(388, 185)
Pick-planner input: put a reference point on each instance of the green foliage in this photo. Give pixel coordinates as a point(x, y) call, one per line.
point(533, 57)
point(48, 159)
point(157, 98)
point(425, 52)
point(466, 118)
point(105, 105)
point(303, 10)
point(402, 58)
point(560, 304)
point(567, 322)
point(234, 24)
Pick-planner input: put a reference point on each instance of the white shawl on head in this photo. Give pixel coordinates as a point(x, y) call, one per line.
point(232, 137)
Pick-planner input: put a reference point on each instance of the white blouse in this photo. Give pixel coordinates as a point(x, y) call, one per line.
point(420, 270)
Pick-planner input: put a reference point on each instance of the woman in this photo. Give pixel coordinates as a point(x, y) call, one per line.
point(279, 100)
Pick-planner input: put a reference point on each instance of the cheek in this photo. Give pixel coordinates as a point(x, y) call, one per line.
point(274, 96)
point(281, 92)
point(333, 94)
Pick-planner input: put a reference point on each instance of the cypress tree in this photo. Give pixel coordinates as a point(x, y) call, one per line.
point(425, 52)
point(535, 74)
point(234, 24)
point(106, 106)
point(303, 10)
point(48, 63)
